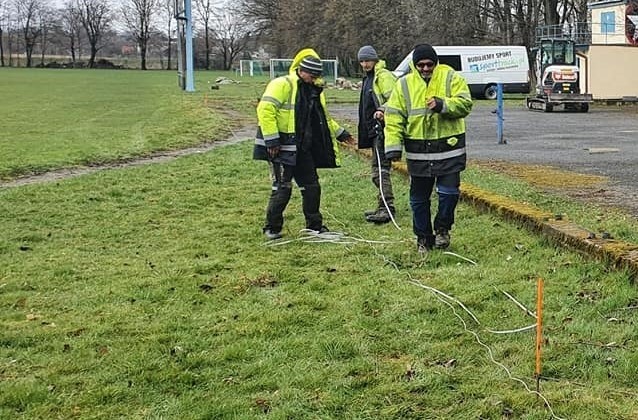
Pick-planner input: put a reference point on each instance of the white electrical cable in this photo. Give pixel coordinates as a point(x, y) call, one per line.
point(529, 327)
point(489, 350)
point(520, 305)
point(460, 256)
point(385, 203)
point(437, 295)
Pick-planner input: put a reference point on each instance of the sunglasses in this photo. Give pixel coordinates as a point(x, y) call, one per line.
point(425, 64)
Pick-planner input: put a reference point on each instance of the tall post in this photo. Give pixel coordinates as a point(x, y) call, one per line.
point(190, 85)
point(499, 113)
point(539, 331)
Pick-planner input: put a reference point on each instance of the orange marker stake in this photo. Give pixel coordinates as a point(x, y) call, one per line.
point(539, 330)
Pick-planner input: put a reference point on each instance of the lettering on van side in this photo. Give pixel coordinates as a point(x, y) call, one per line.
point(490, 56)
point(497, 64)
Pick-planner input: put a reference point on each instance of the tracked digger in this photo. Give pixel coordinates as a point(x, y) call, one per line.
point(558, 78)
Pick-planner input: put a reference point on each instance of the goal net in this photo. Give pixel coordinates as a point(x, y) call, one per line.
point(254, 67)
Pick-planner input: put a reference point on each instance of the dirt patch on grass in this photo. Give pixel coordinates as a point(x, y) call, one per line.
point(158, 157)
point(591, 189)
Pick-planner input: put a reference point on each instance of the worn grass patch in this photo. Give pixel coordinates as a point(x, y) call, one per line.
point(544, 176)
point(590, 209)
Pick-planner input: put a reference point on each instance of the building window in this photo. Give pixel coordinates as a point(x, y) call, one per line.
point(608, 22)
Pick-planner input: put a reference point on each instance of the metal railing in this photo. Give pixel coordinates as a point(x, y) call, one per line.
point(579, 32)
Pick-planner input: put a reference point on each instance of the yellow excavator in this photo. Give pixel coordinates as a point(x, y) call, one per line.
point(558, 78)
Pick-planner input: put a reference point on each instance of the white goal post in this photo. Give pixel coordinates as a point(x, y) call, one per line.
point(253, 67)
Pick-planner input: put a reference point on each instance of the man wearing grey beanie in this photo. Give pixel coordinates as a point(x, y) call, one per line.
point(376, 88)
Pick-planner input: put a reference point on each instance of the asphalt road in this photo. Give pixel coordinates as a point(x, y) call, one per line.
point(601, 142)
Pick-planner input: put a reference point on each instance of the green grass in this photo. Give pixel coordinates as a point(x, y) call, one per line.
point(63, 118)
point(148, 292)
point(592, 217)
point(66, 118)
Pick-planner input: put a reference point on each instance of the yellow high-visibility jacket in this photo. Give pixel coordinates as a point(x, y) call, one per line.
point(276, 119)
point(382, 87)
point(434, 142)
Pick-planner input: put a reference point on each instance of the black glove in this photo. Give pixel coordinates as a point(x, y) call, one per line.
point(344, 136)
point(439, 105)
point(393, 156)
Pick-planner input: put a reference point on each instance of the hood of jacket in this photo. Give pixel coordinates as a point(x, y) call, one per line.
point(379, 66)
point(297, 61)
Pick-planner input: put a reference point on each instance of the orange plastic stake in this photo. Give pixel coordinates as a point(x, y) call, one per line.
point(539, 330)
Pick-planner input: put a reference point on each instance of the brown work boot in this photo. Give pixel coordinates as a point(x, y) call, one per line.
point(442, 239)
point(381, 216)
point(423, 246)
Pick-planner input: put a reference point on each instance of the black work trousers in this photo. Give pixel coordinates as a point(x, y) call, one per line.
point(381, 168)
point(305, 176)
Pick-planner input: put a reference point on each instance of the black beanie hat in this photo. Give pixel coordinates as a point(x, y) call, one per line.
point(311, 65)
point(423, 51)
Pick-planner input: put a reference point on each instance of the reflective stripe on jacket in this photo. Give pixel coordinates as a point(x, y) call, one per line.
point(276, 116)
point(434, 142)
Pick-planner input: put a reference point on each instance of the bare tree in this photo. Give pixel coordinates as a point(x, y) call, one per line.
point(205, 12)
point(46, 22)
point(168, 9)
point(3, 17)
point(72, 29)
point(261, 14)
point(551, 12)
point(231, 36)
point(96, 18)
point(28, 13)
point(138, 17)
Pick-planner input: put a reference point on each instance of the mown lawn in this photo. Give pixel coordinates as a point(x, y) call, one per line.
point(65, 118)
point(149, 292)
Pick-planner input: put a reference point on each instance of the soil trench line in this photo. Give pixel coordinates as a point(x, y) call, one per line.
point(238, 136)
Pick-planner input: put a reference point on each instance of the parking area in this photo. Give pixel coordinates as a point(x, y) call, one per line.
point(601, 142)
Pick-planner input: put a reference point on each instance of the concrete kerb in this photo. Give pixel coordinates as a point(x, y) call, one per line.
point(619, 254)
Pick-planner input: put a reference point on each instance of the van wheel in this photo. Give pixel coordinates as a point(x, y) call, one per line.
point(490, 92)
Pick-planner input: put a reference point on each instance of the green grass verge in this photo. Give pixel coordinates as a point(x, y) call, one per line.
point(148, 292)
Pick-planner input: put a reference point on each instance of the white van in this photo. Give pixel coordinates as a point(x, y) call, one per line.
point(483, 67)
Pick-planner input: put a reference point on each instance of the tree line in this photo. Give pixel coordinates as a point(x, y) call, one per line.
point(337, 28)
point(82, 31)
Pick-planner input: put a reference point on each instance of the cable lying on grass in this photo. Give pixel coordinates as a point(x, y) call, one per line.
point(449, 301)
point(311, 236)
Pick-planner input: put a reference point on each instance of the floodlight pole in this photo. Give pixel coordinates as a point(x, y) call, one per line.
point(190, 85)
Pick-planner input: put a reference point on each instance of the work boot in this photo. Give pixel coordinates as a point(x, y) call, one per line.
point(423, 246)
point(381, 216)
point(322, 229)
point(272, 235)
point(442, 239)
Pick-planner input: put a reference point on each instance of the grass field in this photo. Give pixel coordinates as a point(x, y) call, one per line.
point(148, 292)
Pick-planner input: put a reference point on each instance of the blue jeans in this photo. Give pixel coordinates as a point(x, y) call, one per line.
point(447, 187)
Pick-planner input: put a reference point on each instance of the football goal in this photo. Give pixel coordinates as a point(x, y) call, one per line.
point(254, 67)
